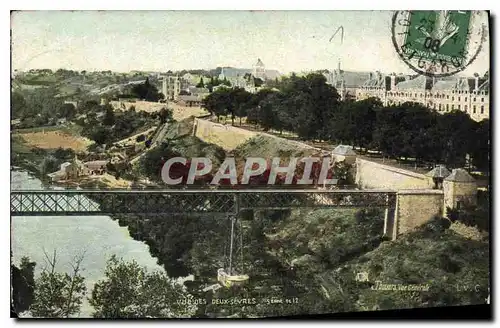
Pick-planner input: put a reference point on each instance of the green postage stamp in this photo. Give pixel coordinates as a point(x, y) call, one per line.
point(438, 42)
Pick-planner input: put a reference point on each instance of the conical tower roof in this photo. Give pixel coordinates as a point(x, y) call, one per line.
point(344, 150)
point(439, 172)
point(259, 63)
point(460, 175)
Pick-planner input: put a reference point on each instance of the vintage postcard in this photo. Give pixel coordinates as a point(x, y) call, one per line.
point(250, 164)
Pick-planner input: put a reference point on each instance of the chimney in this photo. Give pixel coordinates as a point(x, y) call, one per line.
point(476, 83)
point(338, 69)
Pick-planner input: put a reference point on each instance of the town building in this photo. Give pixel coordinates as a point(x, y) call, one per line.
point(346, 82)
point(470, 95)
point(259, 70)
point(69, 170)
point(95, 167)
point(172, 86)
point(194, 79)
point(244, 77)
point(198, 92)
point(189, 101)
point(76, 168)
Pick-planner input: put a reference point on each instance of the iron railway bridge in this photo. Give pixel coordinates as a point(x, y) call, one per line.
point(228, 203)
point(193, 202)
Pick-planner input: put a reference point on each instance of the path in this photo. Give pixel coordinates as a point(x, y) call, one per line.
point(132, 138)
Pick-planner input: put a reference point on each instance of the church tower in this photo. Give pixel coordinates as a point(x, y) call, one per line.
point(259, 70)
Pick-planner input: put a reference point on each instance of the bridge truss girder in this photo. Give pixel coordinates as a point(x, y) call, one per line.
point(188, 202)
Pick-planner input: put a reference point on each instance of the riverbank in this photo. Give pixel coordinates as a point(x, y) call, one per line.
point(30, 158)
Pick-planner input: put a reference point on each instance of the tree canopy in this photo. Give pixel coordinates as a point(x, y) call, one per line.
point(147, 91)
point(310, 108)
point(130, 291)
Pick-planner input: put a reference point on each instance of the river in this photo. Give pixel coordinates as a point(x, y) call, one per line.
point(96, 237)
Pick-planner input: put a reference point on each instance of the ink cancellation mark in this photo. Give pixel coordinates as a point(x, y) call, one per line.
point(439, 43)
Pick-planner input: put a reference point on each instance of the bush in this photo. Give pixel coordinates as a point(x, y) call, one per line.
point(64, 153)
point(49, 164)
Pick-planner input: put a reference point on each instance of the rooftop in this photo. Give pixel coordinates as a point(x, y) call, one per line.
point(344, 150)
point(460, 175)
point(458, 84)
point(438, 172)
point(377, 81)
point(485, 86)
point(417, 83)
point(198, 90)
point(230, 72)
point(352, 79)
point(96, 163)
point(189, 98)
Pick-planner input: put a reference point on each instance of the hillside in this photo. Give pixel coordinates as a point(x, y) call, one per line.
point(313, 257)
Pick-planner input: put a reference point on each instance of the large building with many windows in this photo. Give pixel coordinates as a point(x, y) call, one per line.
point(470, 95)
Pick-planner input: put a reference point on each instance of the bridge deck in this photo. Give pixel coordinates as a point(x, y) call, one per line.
point(109, 202)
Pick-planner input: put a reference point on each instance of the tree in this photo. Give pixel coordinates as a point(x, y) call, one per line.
point(457, 127)
point(305, 106)
point(165, 115)
point(354, 122)
point(225, 82)
point(389, 136)
point(49, 164)
point(147, 91)
point(258, 82)
point(58, 295)
point(210, 85)
point(23, 285)
point(130, 291)
point(68, 111)
point(218, 102)
point(269, 107)
point(64, 153)
point(100, 136)
point(109, 116)
point(88, 106)
point(200, 84)
point(18, 105)
point(480, 148)
point(240, 100)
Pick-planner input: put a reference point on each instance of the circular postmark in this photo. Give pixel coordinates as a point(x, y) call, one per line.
point(439, 43)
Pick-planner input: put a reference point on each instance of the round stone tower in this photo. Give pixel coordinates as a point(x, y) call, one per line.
point(460, 189)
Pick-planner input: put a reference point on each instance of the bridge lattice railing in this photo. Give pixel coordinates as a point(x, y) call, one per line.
point(76, 202)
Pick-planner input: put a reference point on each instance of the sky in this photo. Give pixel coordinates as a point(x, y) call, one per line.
point(174, 40)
